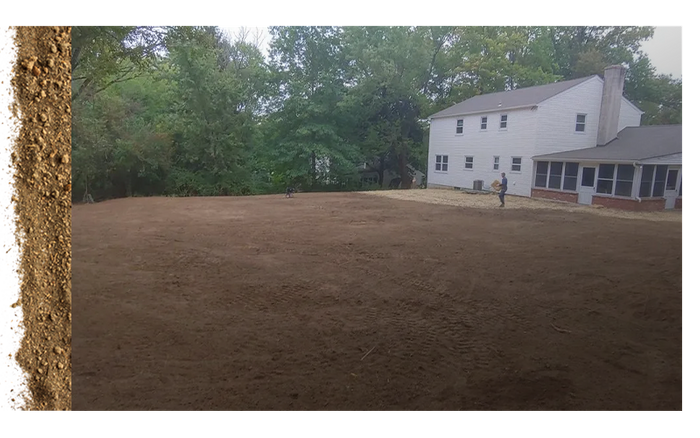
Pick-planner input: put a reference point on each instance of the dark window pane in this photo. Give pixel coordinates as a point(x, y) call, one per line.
point(625, 172)
point(647, 177)
point(571, 169)
point(504, 118)
point(580, 118)
point(444, 167)
point(459, 130)
point(517, 160)
point(645, 189)
point(588, 177)
point(580, 127)
point(570, 183)
point(444, 158)
point(438, 158)
point(460, 122)
point(438, 166)
point(659, 181)
point(623, 188)
point(661, 173)
point(540, 180)
point(606, 171)
point(515, 168)
point(542, 167)
point(672, 178)
point(556, 168)
point(554, 181)
point(604, 186)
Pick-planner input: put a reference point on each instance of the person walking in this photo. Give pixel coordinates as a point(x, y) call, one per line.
point(504, 188)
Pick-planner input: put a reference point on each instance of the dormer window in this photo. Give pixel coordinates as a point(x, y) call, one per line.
point(460, 126)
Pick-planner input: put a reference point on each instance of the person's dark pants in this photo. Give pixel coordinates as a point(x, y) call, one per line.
point(502, 196)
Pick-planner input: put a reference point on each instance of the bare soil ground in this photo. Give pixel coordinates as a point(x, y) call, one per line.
point(356, 302)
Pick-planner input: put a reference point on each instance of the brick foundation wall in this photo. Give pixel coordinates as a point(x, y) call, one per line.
point(558, 196)
point(679, 204)
point(630, 204)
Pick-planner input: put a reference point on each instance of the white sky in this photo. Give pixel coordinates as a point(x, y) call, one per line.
point(664, 49)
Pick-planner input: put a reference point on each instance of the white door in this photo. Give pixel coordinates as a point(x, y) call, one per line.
point(587, 186)
point(671, 190)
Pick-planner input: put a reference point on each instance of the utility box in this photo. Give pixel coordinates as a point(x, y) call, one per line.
point(478, 184)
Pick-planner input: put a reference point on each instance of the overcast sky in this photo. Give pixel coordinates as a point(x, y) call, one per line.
point(664, 49)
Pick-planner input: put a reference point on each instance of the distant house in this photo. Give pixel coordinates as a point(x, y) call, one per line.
point(532, 135)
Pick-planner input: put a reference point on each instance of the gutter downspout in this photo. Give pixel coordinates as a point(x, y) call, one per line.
point(637, 166)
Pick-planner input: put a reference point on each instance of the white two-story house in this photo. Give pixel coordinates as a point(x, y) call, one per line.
point(472, 142)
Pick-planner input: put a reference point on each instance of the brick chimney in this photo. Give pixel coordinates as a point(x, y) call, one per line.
point(614, 82)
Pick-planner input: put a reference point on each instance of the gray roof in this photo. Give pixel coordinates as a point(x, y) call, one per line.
point(510, 99)
point(632, 144)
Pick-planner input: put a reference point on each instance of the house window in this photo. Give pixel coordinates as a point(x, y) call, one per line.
point(541, 174)
point(515, 164)
point(469, 163)
point(672, 179)
point(615, 179)
point(504, 121)
point(623, 180)
point(570, 176)
point(496, 162)
point(659, 181)
point(606, 178)
point(441, 163)
point(580, 122)
point(460, 126)
point(654, 181)
point(555, 170)
point(647, 181)
point(552, 175)
point(483, 123)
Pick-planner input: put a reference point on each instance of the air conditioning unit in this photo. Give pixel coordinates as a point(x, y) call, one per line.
point(478, 184)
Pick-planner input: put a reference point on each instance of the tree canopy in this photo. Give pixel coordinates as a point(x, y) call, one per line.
point(190, 111)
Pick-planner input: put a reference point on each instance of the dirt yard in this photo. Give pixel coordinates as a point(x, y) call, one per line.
point(358, 302)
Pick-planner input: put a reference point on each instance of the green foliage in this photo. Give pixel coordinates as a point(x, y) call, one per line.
point(185, 111)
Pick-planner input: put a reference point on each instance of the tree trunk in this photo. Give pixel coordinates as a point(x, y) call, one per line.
point(403, 166)
point(313, 169)
point(382, 167)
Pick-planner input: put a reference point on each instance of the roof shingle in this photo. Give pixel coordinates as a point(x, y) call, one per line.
point(632, 144)
point(510, 99)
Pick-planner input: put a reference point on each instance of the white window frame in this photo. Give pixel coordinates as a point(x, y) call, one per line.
point(442, 164)
point(562, 176)
point(501, 122)
point(458, 127)
point(496, 163)
point(484, 123)
point(466, 158)
point(512, 164)
point(579, 123)
point(614, 180)
point(653, 181)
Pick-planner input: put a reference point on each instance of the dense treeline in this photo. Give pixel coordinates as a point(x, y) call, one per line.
point(188, 111)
